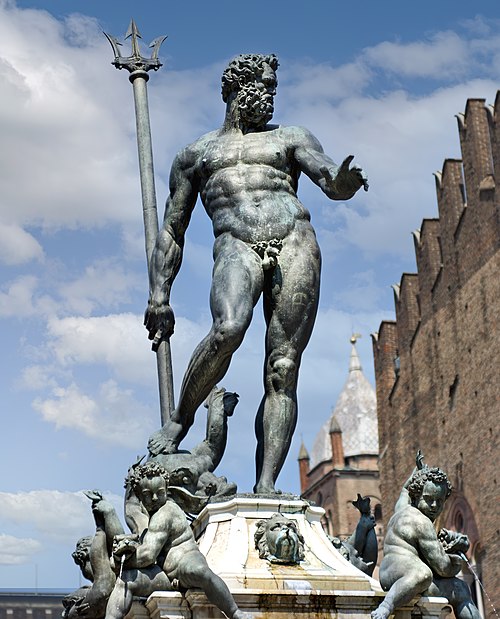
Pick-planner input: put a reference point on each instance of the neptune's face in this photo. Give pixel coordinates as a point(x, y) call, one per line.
point(256, 99)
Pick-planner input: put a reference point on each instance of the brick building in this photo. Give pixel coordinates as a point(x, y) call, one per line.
point(436, 366)
point(344, 456)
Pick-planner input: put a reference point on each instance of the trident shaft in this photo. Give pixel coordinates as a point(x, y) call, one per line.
point(138, 67)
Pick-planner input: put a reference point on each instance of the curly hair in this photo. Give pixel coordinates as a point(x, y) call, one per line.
point(149, 470)
point(244, 69)
point(82, 550)
point(419, 478)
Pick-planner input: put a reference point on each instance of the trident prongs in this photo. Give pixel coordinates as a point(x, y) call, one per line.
point(156, 44)
point(135, 62)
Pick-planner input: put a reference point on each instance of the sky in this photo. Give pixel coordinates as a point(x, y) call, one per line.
point(382, 81)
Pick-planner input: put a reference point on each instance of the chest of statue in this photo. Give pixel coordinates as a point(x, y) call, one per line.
point(235, 149)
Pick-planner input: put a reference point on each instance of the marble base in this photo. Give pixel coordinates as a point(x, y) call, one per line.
point(225, 533)
point(307, 605)
point(323, 585)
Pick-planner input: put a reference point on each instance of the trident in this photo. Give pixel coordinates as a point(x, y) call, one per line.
point(138, 66)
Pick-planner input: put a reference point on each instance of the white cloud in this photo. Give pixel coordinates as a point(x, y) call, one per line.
point(400, 140)
point(57, 515)
point(58, 125)
point(18, 298)
point(117, 340)
point(22, 297)
point(443, 56)
point(316, 83)
point(70, 408)
point(104, 409)
point(112, 415)
point(479, 26)
point(38, 377)
point(18, 246)
point(103, 284)
point(67, 121)
point(17, 550)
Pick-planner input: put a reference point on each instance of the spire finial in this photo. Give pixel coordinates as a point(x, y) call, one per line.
point(354, 338)
point(354, 362)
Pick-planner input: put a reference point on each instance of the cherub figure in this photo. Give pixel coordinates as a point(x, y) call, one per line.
point(166, 555)
point(92, 555)
point(416, 560)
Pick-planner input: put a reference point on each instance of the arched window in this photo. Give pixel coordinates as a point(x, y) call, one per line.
point(471, 574)
point(459, 516)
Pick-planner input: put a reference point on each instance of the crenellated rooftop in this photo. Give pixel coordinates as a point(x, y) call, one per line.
point(452, 248)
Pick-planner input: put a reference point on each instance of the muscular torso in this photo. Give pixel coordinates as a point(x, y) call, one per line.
point(180, 543)
point(248, 183)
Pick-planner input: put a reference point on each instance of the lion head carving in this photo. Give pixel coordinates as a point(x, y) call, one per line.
point(278, 540)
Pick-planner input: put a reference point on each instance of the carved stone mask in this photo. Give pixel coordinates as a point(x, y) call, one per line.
point(279, 541)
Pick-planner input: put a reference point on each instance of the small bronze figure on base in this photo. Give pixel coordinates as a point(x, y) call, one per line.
point(417, 560)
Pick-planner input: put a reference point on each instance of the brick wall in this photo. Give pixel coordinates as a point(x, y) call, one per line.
point(445, 397)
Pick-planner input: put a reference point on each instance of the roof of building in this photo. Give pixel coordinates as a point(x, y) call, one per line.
point(355, 413)
point(303, 455)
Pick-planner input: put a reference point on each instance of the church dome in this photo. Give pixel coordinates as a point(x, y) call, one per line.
point(355, 413)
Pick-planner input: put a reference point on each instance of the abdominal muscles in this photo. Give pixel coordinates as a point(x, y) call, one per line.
point(254, 203)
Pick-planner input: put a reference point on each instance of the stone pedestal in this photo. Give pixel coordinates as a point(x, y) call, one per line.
point(323, 585)
point(288, 605)
point(225, 532)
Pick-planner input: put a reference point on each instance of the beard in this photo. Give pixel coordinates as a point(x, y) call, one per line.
point(255, 104)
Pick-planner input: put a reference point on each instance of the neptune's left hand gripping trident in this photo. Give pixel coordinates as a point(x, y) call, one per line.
point(138, 66)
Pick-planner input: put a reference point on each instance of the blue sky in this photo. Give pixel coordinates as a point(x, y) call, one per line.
point(379, 80)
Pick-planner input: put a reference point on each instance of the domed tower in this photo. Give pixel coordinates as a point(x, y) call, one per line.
point(344, 458)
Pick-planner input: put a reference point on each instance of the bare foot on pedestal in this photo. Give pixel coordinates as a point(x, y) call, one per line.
point(382, 612)
point(166, 440)
point(264, 488)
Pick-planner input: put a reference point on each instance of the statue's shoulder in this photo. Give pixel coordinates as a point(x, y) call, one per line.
point(412, 518)
point(405, 515)
point(203, 141)
point(190, 153)
point(292, 129)
point(297, 135)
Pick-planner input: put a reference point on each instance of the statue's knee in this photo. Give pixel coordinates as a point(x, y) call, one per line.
point(283, 372)
point(229, 334)
point(426, 581)
point(200, 574)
